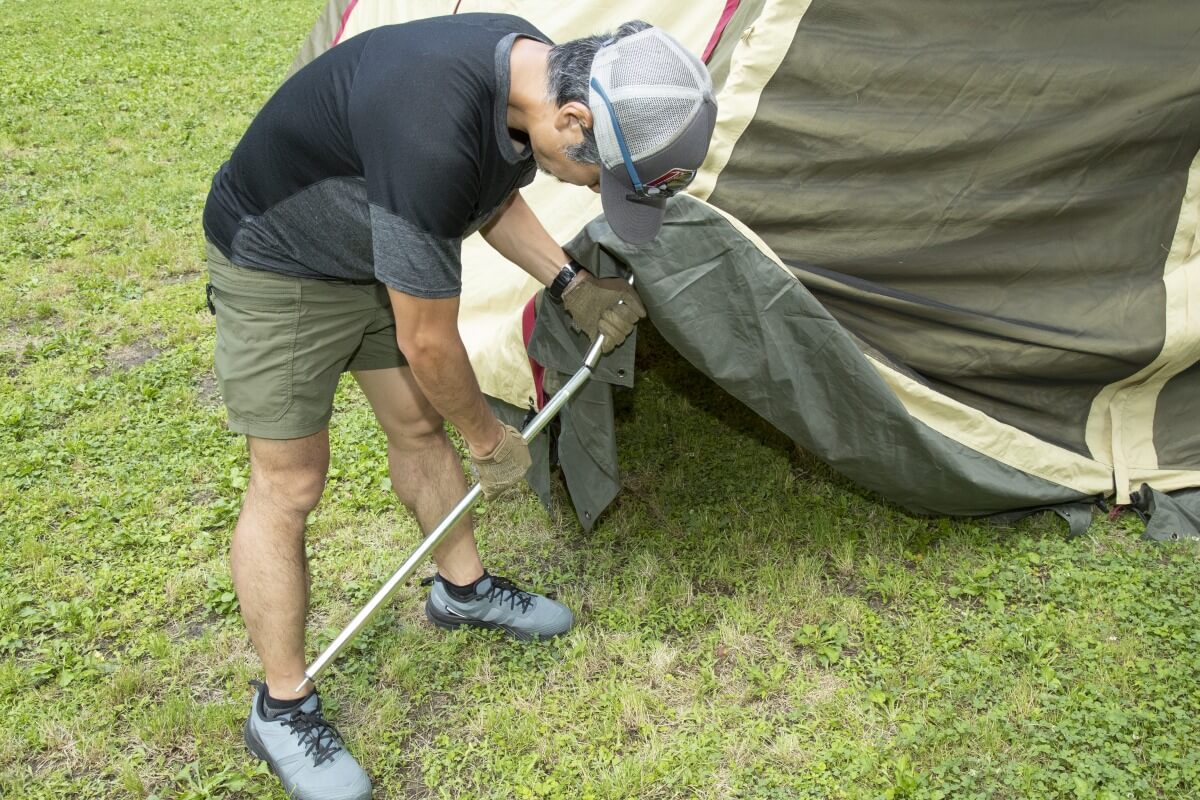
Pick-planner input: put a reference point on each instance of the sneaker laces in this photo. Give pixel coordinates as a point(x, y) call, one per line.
point(319, 734)
point(505, 591)
point(321, 737)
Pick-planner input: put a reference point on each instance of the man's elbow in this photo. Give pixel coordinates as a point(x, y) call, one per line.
point(421, 349)
point(488, 227)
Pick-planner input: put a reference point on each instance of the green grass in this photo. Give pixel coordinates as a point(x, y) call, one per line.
point(750, 625)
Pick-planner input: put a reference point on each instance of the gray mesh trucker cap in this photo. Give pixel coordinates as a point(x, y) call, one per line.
point(662, 98)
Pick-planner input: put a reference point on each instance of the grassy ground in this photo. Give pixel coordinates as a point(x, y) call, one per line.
point(750, 625)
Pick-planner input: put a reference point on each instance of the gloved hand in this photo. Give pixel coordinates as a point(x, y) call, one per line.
point(505, 467)
point(606, 306)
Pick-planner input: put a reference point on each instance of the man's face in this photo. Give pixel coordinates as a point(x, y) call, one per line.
point(550, 141)
point(557, 164)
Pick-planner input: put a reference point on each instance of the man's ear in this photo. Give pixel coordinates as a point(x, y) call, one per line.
point(573, 114)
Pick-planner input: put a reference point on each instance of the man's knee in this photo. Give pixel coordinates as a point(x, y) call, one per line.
point(294, 490)
point(289, 474)
point(417, 434)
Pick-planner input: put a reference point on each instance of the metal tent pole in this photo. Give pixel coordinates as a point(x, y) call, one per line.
point(364, 616)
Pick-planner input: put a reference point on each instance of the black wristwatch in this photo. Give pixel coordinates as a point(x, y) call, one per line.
point(565, 276)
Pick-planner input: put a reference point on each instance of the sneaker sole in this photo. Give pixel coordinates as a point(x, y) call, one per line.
point(254, 744)
point(451, 623)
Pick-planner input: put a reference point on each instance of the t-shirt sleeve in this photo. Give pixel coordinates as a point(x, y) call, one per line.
point(412, 260)
point(422, 181)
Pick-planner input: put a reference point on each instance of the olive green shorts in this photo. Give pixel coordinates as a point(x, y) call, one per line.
point(283, 343)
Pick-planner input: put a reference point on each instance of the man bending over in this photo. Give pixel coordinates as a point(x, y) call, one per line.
point(334, 234)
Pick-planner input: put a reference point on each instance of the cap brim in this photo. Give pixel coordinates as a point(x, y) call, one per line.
point(635, 221)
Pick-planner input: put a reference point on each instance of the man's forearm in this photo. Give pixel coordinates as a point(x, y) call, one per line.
point(517, 234)
point(444, 373)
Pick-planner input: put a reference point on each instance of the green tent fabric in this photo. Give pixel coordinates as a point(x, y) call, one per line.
point(953, 250)
point(754, 328)
point(1001, 203)
point(987, 198)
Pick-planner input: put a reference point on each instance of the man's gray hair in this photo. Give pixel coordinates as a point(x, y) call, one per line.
point(567, 74)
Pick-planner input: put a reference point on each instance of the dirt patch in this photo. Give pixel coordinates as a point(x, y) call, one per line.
point(14, 342)
point(191, 628)
point(208, 393)
point(128, 356)
point(824, 689)
point(204, 497)
point(182, 277)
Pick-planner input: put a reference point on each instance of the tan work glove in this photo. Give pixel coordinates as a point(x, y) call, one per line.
point(504, 468)
point(606, 306)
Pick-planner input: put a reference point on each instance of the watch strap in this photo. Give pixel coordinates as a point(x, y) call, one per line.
point(563, 279)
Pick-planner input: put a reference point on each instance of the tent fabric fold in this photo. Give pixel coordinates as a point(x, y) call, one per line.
point(753, 327)
point(728, 306)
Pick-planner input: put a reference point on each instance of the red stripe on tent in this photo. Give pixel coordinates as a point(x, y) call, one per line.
point(345, 18)
point(528, 318)
point(726, 15)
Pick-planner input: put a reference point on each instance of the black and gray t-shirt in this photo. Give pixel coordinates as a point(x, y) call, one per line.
point(374, 161)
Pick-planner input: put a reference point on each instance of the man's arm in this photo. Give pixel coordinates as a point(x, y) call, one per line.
point(607, 306)
point(427, 333)
point(516, 233)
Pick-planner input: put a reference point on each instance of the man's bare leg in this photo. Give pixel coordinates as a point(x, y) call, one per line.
point(267, 558)
point(425, 468)
point(427, 475)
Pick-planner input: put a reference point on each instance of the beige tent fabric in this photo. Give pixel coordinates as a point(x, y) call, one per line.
point(494, 290)
point(320, 36)
point(1119, 429)
point(760, 50)
point(371, 14)
point(1004, 443)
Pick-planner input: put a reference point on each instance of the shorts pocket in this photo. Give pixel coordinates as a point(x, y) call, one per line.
point(255, 352)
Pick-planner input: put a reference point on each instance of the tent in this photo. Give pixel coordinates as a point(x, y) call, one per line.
point(952, 250)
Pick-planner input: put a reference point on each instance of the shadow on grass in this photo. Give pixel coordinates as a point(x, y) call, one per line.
point(689, 392)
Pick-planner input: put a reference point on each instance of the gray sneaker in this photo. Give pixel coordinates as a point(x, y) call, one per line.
point(305, 752)
point(499, 604)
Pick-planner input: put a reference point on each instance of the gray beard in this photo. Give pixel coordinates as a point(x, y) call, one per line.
point(585, 152)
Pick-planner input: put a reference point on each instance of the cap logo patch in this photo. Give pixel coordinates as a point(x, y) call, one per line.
point(674, 179)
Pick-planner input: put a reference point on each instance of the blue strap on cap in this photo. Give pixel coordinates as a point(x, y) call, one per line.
point(612, 114)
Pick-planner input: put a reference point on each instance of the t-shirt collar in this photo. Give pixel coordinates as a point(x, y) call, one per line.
point(503, 78)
